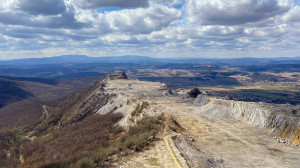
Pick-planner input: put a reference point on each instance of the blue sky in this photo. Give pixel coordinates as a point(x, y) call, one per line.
point(157, 28)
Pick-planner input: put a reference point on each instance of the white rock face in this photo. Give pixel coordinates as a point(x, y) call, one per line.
point(130, 94)
point(219, 127)
point(258, 114)
point(127, 94)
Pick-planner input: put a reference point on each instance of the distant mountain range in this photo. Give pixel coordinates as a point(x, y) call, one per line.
point(75, 59)
point(81, 66)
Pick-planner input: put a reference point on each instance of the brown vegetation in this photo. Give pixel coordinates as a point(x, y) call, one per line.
point(20, 114)
point(9, 148)
point(72, 108)
point(89, 142)
point(11, 91)
point(71, 143)
point(14, 89)
point(138, 136)
point(139, 108)
point(174, 125)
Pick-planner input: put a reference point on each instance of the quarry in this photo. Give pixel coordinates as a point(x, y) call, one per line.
point(215, 132)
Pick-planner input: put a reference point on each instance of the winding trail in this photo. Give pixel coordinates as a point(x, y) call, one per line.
point(45, 111)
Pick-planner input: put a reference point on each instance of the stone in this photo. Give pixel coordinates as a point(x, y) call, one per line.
point(194, 93)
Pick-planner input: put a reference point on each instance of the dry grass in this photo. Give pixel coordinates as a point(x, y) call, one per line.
point(153, 161)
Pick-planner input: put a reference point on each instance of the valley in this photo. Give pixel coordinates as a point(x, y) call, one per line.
point(273, 80)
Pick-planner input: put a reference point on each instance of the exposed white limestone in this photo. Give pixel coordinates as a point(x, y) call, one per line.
point(128, 94)
point(276, 117)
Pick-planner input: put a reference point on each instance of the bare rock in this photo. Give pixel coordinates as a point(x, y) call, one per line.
point(193, 156)
point(194, 93)
point(117, 75)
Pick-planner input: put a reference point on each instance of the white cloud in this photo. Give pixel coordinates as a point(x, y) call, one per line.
point(235, 12)
point(8, 5)
point(92, 4)
point(141, 21)
point(165, 28)
point(293, 15)
point(168, 2)
point(133, 21)
point(42, 7)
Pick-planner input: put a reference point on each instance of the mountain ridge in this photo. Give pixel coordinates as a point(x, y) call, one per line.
point(72, 59)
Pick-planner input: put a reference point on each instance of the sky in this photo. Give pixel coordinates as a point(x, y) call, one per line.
point(156, 28)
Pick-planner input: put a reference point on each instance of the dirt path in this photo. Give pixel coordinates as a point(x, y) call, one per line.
point(172, 153)
point(181, 112)
point(45, 112)
point(157, 156)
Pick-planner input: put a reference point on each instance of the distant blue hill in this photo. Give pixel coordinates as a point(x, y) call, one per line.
point(81, 59)
point(73, 59)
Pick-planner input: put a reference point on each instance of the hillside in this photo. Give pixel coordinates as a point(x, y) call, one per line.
point(11, 92)
point(21, 113)
point(132, 123)
point(21, 99)
point(14, 89)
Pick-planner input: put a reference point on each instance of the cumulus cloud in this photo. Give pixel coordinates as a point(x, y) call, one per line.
point(140, 20)
point(64, 20)
point(42, 7)
point(293, 15)
point(130, 21)
point(88, 24)
point(9, 5)
point(91, 4)
point(235, 12)
point(168, 2)
point(170, 27)
point(56, 16)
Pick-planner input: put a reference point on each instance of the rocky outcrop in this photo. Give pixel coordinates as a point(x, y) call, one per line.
point(84, 108)
point(193, 156)
point(201, 100)
point(83, 103)
point(130, 94)
point(116, 75)
point(278, 118)
point(193, 93)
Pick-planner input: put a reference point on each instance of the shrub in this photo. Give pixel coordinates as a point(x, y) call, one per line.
point(139, 108)
point(9, 143)
point(138, 136)
point(89, 143)
point(72, 141)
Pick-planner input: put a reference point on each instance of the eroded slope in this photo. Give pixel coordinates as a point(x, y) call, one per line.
point(234, 137)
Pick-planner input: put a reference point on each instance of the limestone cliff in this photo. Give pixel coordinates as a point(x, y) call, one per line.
point(278, 118)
